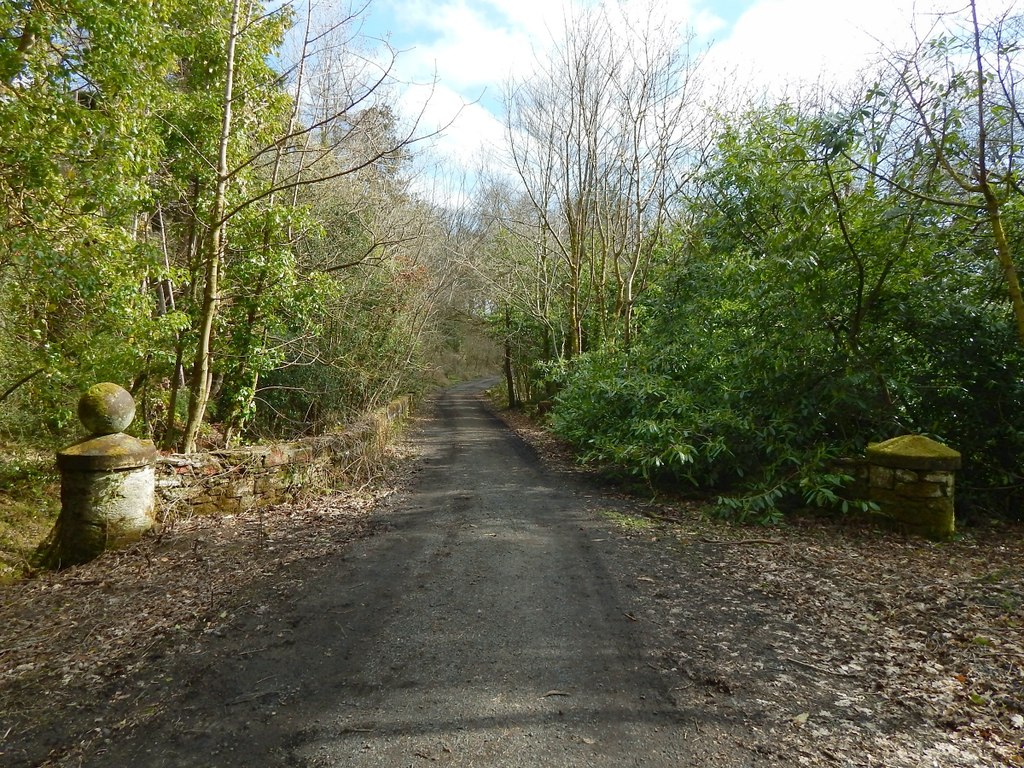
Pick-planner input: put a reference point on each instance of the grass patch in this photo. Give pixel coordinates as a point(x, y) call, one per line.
point(629, 522)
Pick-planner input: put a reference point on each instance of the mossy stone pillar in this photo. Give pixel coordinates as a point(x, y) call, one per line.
point(911, 480)
point(108, 482)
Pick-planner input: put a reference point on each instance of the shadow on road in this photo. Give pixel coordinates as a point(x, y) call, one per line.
point(483, 627)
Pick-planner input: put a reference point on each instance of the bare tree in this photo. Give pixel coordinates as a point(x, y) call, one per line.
point(600, 137)
point(516, 270)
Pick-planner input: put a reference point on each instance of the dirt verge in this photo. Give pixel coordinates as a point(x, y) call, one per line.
point(875, 649)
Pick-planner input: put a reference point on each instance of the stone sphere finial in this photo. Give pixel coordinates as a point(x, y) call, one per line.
point(106, 409)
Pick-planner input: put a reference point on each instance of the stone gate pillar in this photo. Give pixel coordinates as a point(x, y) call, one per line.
point(911, 479)
point(107, 490)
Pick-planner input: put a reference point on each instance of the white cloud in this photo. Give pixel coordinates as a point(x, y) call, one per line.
point(705, 24)
point(477, 44)
point(472, 45)
point(780, 43)
point(466, 127)
point(465, 49)
point(468, 133)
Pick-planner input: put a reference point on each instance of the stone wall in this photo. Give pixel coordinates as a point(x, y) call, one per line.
point(910, 479)
point(240, 479)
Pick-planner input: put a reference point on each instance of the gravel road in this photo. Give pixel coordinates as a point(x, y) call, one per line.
point(486, 624)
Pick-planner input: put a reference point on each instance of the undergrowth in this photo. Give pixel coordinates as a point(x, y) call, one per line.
point(29, 505)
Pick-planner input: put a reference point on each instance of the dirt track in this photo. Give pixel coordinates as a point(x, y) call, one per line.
point(483, 629)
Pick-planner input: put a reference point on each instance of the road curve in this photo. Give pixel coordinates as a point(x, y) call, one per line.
point(485, 626)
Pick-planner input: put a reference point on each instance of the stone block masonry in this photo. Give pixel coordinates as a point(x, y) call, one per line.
point(241, 479)
point(911, 480)
point(107, 480)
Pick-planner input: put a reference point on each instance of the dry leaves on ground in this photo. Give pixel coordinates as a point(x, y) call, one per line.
point(933, 633)
point(72, 644)
point(860, 647)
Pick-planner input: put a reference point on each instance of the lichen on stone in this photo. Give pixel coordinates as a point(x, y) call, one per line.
point(106, 409)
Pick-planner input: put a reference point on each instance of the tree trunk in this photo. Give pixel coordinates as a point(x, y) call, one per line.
point(171, 426)
point(215, 248)
point(235, 419)
point(1005, 257)
point(510, 379)
point(992, 204)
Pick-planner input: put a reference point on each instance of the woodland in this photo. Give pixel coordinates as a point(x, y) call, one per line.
point(715, 293)
point(216, 204)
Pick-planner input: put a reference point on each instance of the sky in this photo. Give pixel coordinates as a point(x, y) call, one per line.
point(468, 49)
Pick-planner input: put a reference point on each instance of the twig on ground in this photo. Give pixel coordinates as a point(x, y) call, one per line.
point(254, 650)
point(250, 697)
point(707, 540)
point(816, 668)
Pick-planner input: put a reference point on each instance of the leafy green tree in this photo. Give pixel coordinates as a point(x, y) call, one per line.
point(810, 309)
point(80, 83)
point(151, 194)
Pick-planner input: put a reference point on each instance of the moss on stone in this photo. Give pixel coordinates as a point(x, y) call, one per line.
point(932, 518)
point(913, 452)
point(105, 453)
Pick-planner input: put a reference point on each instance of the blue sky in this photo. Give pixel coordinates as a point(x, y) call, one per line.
point(472, 47)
